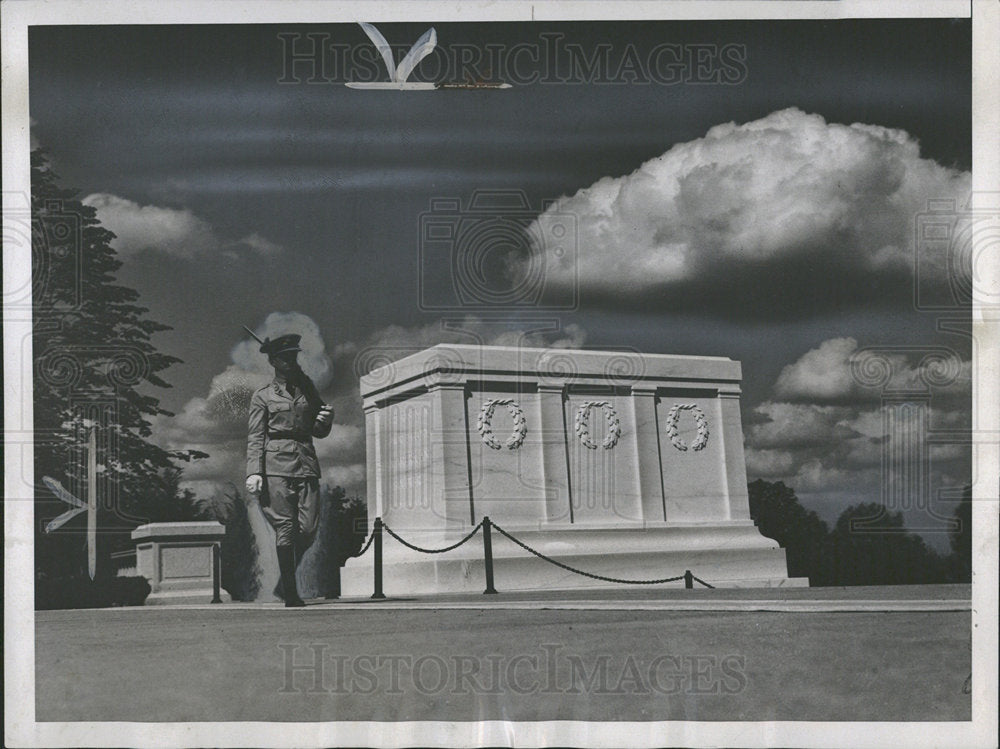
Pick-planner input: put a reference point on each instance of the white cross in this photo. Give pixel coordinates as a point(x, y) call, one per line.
point(90, 507)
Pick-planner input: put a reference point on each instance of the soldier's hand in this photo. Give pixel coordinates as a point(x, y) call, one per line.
point(325, 414)
point(255, 483)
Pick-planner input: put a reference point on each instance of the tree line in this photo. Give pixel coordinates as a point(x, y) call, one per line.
point(868, 545)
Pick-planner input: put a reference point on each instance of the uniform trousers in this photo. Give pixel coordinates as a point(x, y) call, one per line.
point(291, 506)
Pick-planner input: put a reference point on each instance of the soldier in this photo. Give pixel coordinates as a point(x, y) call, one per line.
point(282, 467)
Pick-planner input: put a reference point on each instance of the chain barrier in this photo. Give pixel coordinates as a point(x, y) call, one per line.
point(371, 537)
point(431, 551)
point(540, 555)
point(486, 525)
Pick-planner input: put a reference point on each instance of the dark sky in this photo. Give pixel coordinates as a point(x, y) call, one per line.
point(195, 124)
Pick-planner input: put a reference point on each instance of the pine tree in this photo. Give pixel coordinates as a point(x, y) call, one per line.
point(94, 362)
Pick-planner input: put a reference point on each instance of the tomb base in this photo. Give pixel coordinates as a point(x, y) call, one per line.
point(178, 560)
point(725, 554)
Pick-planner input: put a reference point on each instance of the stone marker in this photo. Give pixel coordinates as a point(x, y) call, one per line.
point(176, 559)
point(626, 465)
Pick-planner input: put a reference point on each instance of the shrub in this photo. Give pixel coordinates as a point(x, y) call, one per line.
point(240, 572)
point(341, 532)
point(84, 593)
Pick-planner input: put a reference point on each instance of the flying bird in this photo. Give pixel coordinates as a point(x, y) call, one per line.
point(398, 74)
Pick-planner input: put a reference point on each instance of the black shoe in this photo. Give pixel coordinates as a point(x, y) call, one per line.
point(286, 563)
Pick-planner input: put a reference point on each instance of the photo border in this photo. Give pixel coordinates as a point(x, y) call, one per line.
point(19, 653)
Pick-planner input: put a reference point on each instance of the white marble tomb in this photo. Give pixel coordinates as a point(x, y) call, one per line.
point(626, 465)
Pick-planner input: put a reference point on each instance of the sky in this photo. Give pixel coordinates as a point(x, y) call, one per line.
point(741, 189)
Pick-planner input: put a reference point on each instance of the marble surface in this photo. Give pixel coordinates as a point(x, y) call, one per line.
point(176, 560)
point(557, 441)
point(725, 555)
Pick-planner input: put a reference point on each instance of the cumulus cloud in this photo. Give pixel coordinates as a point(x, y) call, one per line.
point(396, 341)
point(793, 425)
point(817, 476)
point(261, 245)
point(712, 219)
point(825, 454)
point(177, 232)
point(823, 373)
point(768, 464)
point(347, 476)
point(828, 427)
point(470, 330)
point(345, 443)
point(313, 358)
point(217, 422)
point(840, 371)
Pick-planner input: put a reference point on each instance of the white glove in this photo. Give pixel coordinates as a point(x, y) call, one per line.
point(255, 483)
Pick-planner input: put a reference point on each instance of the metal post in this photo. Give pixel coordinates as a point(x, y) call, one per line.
point(377, 530)
point(488, 554)
point(92, 502)
point(688, 579)
point(216, 573)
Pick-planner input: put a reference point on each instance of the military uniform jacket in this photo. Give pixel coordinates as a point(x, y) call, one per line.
point(281, 433)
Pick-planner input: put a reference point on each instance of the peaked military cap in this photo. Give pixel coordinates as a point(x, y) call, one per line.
point(281, 344)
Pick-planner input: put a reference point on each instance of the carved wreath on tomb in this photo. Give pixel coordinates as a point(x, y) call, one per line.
point(582, 424)
point(700, 440)
point(485, 429)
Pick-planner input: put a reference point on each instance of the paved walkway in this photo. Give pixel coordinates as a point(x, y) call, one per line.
point(874, 598)
point(521, 657)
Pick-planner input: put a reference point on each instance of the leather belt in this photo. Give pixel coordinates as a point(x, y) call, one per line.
point(290, 435)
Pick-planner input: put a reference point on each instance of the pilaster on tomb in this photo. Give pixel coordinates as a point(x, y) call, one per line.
point(624, 465)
